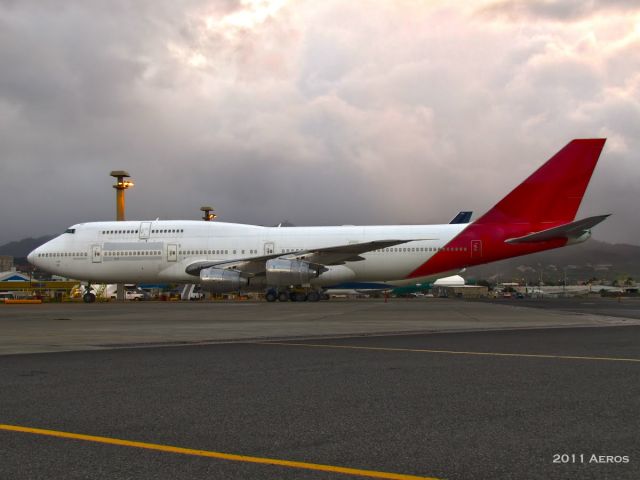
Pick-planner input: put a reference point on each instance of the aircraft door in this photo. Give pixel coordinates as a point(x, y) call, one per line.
point(476, 248)
point(172, 252)
point(269, 248)
point(145, 230)
point(96, 253)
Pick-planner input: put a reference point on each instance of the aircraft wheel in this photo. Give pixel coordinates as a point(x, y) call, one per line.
point(325, 296)
point(89, 298)
point(271, 296)
point(283, 296)
point(300, 297)
point(313, 296)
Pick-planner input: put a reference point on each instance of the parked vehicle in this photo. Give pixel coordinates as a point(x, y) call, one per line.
point(196, 295)
point(129, 295)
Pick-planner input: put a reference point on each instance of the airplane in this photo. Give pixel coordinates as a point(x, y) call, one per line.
point(462, 217)
point(297, 263)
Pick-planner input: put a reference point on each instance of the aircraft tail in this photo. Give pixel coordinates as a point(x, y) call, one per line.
point(552, 194)
point(537, 215)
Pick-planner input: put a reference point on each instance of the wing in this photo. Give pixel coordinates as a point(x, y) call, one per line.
point(335, 255)
point(250, 266)
point(340, 254)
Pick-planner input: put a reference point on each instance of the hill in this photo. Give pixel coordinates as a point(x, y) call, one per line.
point(591, 259)
point(21, 248)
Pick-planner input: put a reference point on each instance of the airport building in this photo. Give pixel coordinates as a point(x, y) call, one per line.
point(462, 291)
point(6, 263)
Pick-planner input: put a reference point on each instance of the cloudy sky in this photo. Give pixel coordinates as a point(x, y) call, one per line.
point(318, 112)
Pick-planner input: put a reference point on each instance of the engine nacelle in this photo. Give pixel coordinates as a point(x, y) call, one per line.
point(219, 280)
point(282, 272)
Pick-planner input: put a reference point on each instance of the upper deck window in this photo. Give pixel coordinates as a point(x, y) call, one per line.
point(70, 230)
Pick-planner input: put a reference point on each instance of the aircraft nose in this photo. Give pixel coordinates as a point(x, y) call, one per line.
point(31, 257)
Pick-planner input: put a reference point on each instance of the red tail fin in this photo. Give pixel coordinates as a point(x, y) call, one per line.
point(549, 198)
point(552, 194)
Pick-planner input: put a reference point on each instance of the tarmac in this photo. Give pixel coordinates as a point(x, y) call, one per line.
point(416, 388)
point(78, 326)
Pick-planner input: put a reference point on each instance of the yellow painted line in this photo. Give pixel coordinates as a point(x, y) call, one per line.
point(453, 352)
point(219, 455)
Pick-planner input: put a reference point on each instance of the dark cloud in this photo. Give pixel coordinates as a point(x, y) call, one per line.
point(560, 10)
point(309, 111)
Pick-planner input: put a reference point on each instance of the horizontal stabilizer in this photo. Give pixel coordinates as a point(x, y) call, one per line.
point(573, 230)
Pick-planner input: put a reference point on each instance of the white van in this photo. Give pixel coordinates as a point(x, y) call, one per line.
point(129, 295)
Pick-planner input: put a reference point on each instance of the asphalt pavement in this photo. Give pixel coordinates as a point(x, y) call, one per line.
point(467, 405)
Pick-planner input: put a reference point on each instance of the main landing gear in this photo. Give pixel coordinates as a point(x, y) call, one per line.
point(89, 296)
point(295, 296)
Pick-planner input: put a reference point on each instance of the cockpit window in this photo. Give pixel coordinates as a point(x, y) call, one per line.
point(70, 230)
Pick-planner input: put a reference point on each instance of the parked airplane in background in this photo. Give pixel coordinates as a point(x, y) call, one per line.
point(462, 217)
point(537, 215)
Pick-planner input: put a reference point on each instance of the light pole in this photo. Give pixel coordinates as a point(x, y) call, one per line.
point(564, 279)
point(120, 186)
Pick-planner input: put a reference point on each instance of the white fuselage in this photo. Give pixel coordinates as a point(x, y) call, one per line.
point(160, 251)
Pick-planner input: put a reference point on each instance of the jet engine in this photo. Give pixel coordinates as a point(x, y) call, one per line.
point(283, 272)
point(219, 280)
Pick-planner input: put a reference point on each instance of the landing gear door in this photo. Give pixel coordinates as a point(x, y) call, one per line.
point(269, 248)
point(96, 253)
point(145, 230)
point(476, 248)
point(172, 252)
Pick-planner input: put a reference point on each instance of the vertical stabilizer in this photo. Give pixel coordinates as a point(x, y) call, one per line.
point(537, 215)
point(552, 194)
